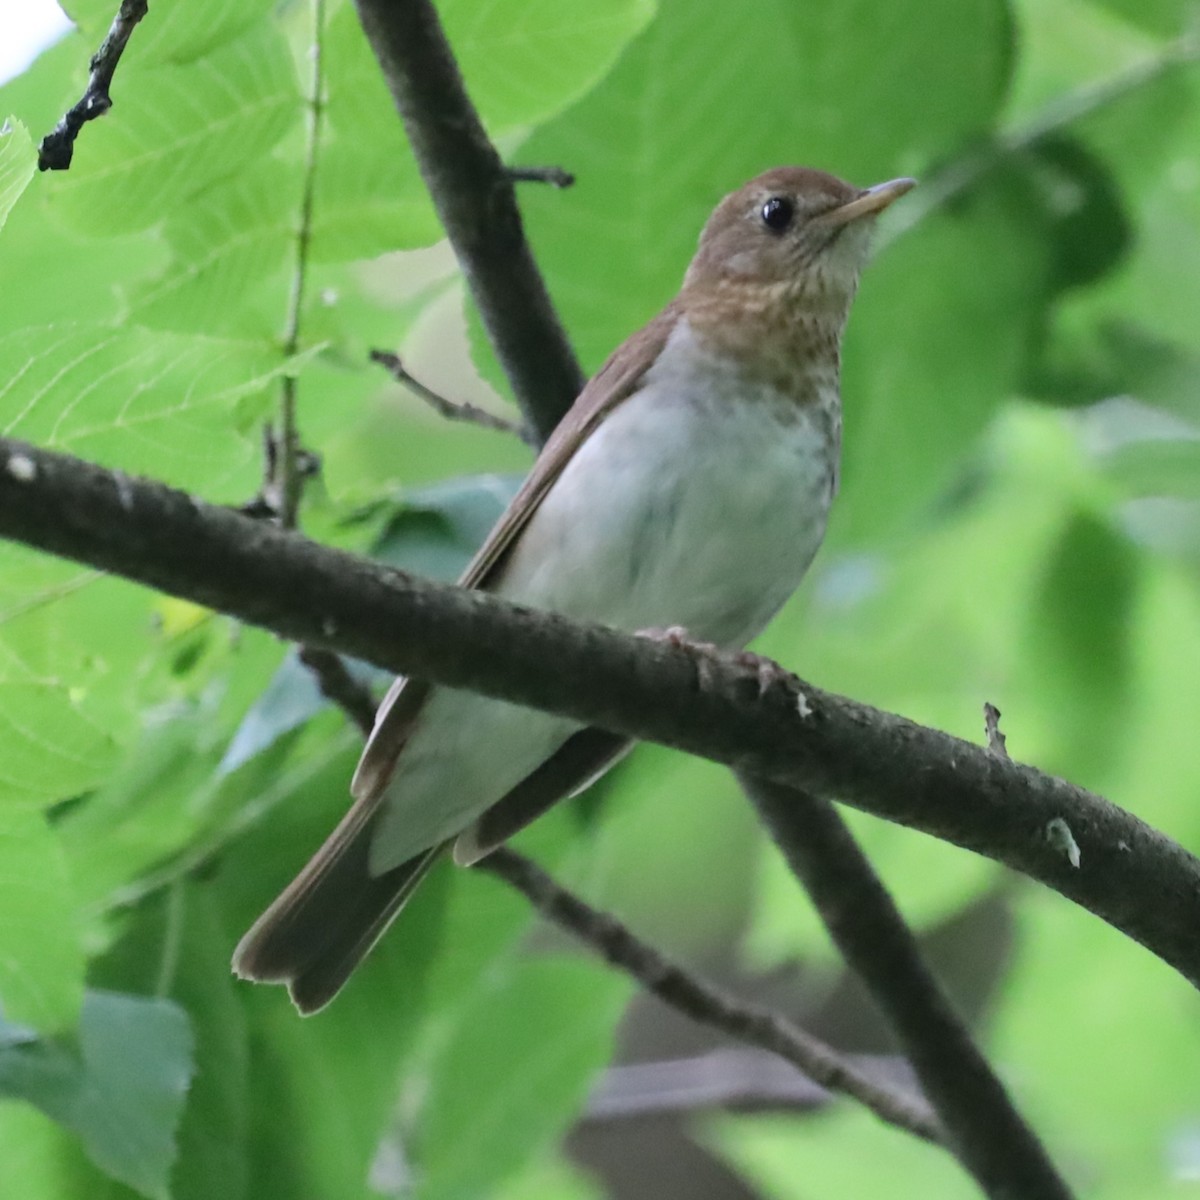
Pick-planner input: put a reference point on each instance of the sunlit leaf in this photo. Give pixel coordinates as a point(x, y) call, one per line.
point(17, 161)
point(41, 955)
point(49, 749)
point(166, 404)
point(179, 129)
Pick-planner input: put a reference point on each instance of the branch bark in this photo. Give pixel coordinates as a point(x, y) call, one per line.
point(707, 1004)
point(475, 199)
point(58, 146)
point(985, 1130)
point(1130, 874)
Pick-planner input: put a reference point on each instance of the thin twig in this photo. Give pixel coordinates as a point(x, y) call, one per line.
point(555, 176)
point(985, 1130)
point(452, 410)
point(705, 1003)
point(1132, 876)
point(996, 741)
point(339, 687)
point(475, 199)
point(58, 147)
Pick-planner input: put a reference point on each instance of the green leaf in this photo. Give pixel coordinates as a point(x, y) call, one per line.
point(291, 699)
point(159, 403)
point(173, 29)
point(17, 162)
point(41, 956)
point(39, 254)
point(175, 944)
point(214, 1137)
point(1079, 638)
point(1064, 47)
point(521, 62)
point(930, 880)
point(848, 1153)
point(937, 340)
point(437, 529)
point(178, 130)
point(228, 244)
point(514, 1072)
point(1165, 18)
point(711, 94)
point(49, 749)
point(122, 1091)
point(323, 1090)
point(525, 60)
point(1111, 1084)
point(1159, 466)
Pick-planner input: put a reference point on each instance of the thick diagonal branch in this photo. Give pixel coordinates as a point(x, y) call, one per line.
point(475, 199)
point(1129, 874)
point(985, 1130)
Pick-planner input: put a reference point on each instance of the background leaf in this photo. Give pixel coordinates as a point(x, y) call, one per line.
point(122, 1092)
point(41, 954)
point(17, 160)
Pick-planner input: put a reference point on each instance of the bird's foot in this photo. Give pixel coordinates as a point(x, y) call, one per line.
point(769, 677)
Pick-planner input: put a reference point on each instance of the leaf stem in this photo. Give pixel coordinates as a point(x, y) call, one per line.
point(291, 477)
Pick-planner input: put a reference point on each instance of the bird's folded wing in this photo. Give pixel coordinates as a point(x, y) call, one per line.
point(614, 382)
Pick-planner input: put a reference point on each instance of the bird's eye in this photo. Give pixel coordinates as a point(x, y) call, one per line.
point(777, 213)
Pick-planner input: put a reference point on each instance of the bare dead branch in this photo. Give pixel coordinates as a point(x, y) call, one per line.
point(707, 1004)
point(58, 146)
point(996, 741)
point(452, 410)
point(555, 176)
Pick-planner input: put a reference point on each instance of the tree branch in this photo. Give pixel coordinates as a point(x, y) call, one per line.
point(58, 147)
point(985, 1130)
point(339, 687)
point(707, 1004)
point(474, 196)
point(1130, 875)
point(555, 176)
point(452, 410)
point(734, 1078)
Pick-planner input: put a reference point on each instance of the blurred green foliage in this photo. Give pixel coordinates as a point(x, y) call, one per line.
point(1019, 522)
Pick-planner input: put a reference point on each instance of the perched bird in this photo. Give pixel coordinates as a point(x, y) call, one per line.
point(688, 486)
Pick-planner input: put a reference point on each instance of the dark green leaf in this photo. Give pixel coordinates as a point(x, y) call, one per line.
point(514, 1071)
point(712, 93)
point(121, 1090)
point(1079, 638)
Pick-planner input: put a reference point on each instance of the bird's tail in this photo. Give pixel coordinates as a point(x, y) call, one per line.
point(329, 917)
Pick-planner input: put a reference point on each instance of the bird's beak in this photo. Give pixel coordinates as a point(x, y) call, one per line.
point(873, 200)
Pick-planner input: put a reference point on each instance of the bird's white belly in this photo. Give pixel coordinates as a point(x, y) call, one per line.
point(675, 515)
point(673, 512)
